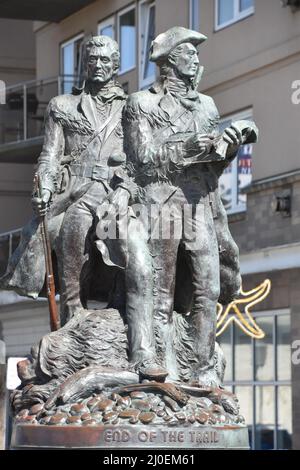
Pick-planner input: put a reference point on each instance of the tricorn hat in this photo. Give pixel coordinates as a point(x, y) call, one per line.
point(165, 42)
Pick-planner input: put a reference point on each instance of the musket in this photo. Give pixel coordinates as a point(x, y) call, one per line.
point(50, 285)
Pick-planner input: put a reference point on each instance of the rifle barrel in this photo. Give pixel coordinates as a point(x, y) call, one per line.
point(54, 317)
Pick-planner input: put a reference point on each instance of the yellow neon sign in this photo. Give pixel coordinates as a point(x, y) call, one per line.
point(245, 321)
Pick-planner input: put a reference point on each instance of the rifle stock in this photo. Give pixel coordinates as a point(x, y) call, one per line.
point(50, 285)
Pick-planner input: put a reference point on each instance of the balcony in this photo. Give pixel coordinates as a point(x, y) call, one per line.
point(41, 10)
point(22, 117)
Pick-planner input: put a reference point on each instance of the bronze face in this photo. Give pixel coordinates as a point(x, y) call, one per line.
point(186, 63)
point(100, 64)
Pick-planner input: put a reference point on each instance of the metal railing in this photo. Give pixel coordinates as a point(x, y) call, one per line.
point(8, 243)
point(22, 117)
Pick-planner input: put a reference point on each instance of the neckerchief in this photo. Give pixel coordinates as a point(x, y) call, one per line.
point(109, 92)
point(184, 93)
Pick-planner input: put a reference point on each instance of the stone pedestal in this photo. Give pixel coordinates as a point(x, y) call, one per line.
point(27, 436)
point(105, 406)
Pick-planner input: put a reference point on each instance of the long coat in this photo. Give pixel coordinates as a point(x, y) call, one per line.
point(73, 133)
point(156, 124)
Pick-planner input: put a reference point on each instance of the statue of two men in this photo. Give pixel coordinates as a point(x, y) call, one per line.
point(161, 149)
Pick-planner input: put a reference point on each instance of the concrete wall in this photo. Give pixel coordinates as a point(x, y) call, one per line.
point(17, 51)
point(171, 13)
point(271, 33)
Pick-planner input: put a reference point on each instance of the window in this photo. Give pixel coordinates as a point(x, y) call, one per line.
point(230, 11)
point(259, 372)
point(147, 33)
point(71, 52)
point(194, 15)
point(107, 28)
point(238, 174)
point(127, 39)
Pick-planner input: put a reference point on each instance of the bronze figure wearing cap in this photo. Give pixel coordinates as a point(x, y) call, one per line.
point(172, 143)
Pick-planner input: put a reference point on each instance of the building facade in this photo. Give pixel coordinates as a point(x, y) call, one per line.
point(251, 60)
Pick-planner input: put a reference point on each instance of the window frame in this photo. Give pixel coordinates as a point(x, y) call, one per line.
point(236, 208)
point(72, 40)
point(110, 21)
point(194, 13)
point(255, 384)
point(119, 14)
point(237, 15)
point(144, 82)
point(66, 43)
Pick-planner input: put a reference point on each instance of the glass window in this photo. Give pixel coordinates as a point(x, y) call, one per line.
point(225, 11)
point(147, 29)
point(127, 39)
point(107, 31)
point(246, 4)
point(260, 375)
point(238, 174)
point(284, 431)
point(283, 347)
point(106, 28)
point(68, 59)
point(71, 52)
point(194, 14)
point(243, 355)
point(245, 396)
point(264, 417)
point(230, 11)
point(264, 351)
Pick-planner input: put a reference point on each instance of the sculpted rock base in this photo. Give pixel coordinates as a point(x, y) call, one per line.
point(151, 415)
point(71, 385)
point(147, 403)
point(89, 354)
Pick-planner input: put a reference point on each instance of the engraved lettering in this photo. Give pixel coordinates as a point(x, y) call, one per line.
point(117, 436)
point(143, 436)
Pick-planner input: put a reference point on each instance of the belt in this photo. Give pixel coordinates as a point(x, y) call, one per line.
point(96, 172)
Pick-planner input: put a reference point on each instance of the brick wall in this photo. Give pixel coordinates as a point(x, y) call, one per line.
point(261, 226)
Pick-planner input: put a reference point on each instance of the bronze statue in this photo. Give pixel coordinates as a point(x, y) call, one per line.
point(136, 178)
point(82, 149)
point(172, 142)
